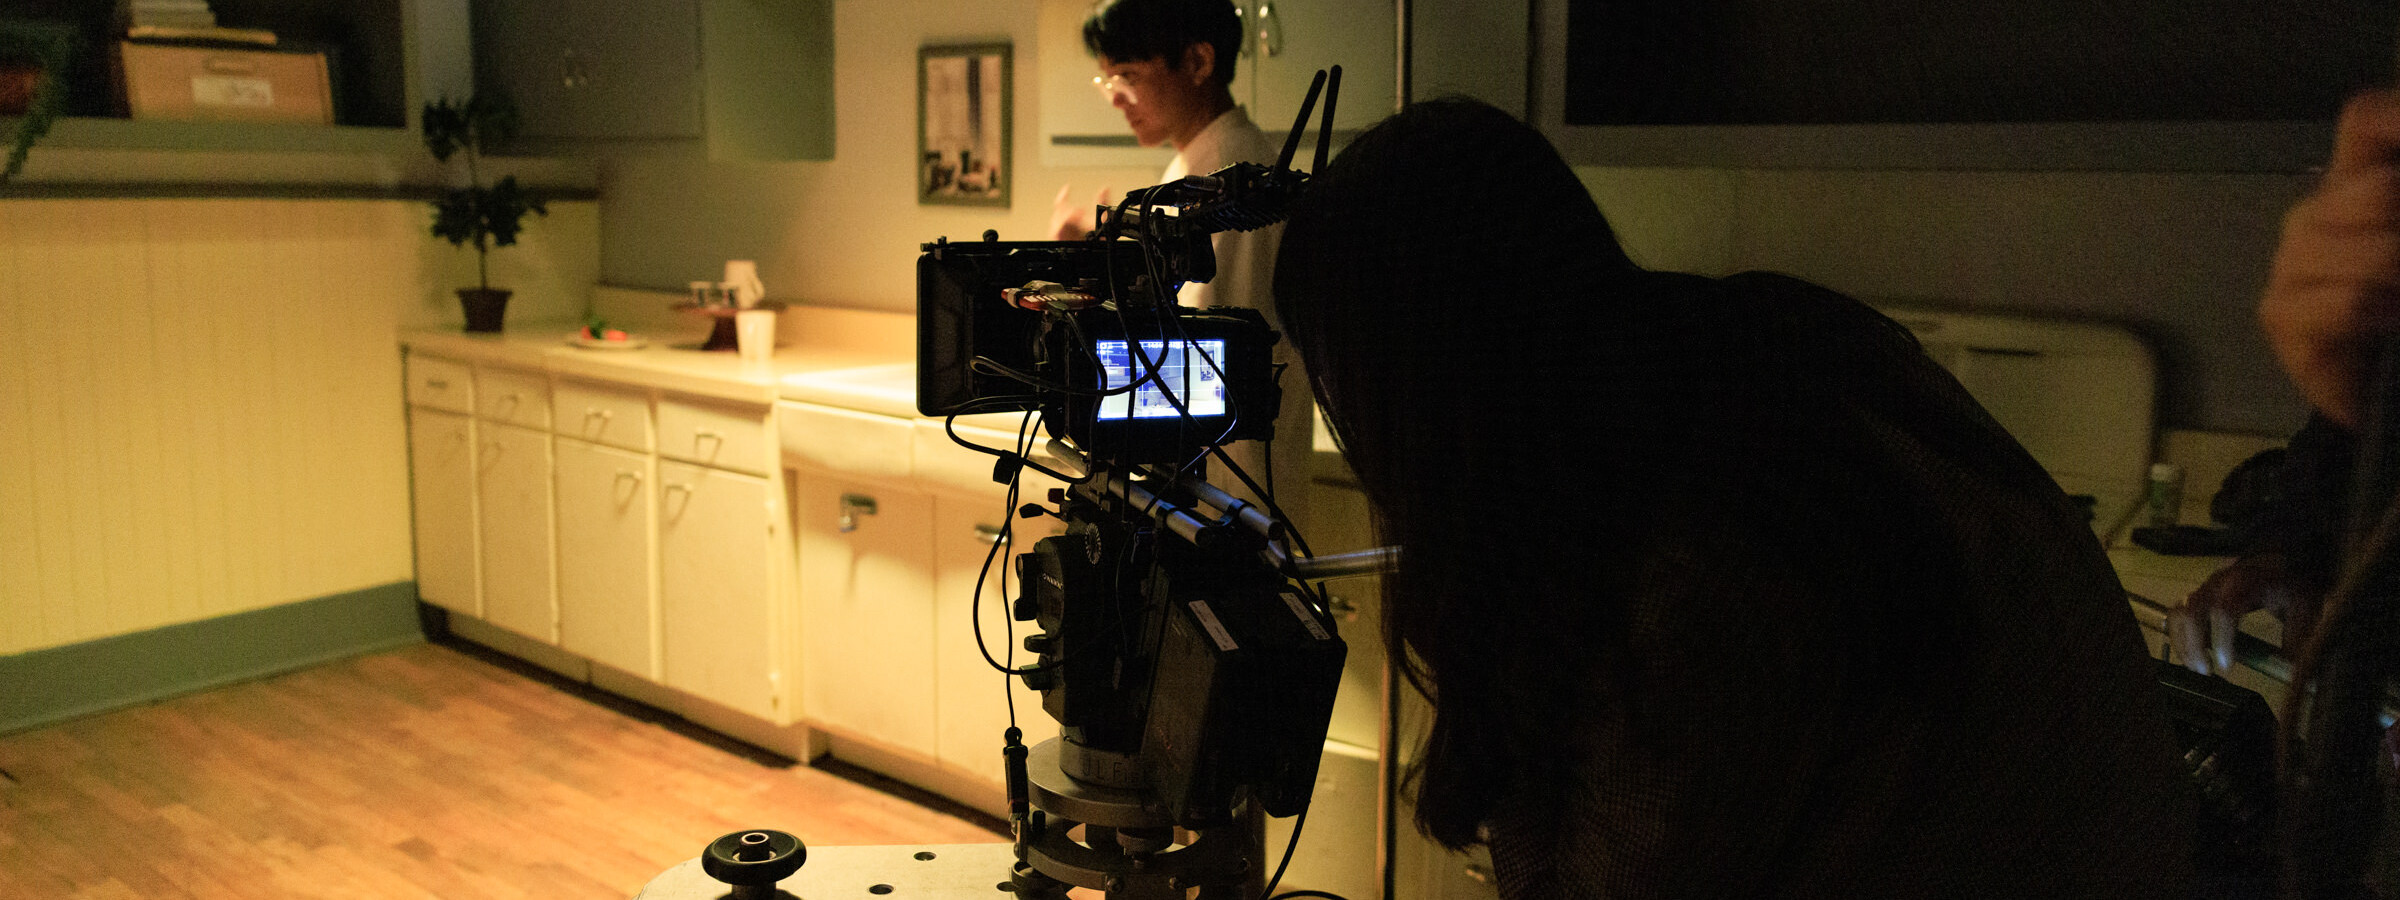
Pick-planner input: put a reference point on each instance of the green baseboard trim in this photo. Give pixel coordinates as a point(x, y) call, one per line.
point(53, 685)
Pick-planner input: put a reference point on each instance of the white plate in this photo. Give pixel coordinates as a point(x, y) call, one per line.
point(629, 343)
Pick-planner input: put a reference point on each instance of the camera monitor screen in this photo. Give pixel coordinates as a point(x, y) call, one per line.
point(1190, 371)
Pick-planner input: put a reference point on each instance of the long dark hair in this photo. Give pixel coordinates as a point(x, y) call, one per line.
point(1518, 398)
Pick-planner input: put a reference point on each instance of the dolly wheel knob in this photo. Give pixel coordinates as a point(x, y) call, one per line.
point(753, 859)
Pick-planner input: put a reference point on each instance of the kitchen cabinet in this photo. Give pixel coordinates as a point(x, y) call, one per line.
point(894, 522)
point(1292, 39)
point(512, 501)
point(633, 526)
point(380, 49)
point(738, 79)
point(867, 601)
point(441, 462)
point(512, 494)
point(606, 573)
point(972, 703)
point(722, 628)
point(441, 470)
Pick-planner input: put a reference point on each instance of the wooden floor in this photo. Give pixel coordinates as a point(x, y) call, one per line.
point(419, 773)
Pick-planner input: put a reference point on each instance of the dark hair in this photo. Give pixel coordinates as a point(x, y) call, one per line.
point(1130, 30)
point(1521, 402)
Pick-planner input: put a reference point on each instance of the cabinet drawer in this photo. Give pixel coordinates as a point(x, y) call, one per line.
point(440, 384)
point(724, 436)
point(839, 440)
point(616, 416)
point(514, 396)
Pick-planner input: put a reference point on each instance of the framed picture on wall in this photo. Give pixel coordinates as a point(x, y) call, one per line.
point(963, 113)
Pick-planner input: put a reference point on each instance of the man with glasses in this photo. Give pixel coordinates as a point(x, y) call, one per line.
point(1168, 65)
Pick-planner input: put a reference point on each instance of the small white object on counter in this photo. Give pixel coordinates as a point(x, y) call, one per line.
point(742, 284)
point(754, 334)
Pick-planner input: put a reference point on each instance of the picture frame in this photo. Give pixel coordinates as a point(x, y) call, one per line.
point(965, 109)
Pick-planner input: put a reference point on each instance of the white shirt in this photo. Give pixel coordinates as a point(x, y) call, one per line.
point(1246, 279)
point(1245, 260)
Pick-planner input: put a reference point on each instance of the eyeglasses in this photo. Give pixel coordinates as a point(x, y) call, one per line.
point(1112, 85)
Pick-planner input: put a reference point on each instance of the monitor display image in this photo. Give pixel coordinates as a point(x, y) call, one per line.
point(1191, 371)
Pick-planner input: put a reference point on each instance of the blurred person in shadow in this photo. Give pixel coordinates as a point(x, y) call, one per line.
point(1720, 587)
point(2332, 297)
point(2332, 301)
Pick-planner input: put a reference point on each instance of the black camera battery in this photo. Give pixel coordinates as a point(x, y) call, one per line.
point(1243, 694)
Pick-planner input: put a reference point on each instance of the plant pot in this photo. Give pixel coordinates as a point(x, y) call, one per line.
point(484, 308)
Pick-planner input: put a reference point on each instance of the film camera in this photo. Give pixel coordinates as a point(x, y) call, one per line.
point(1181, 647)
point(1191, 675)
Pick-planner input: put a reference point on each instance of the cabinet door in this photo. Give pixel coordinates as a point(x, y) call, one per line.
point(594, 69)
point(718, 612)
point(972, 708)
point(1341, 523)
point(441, 468)
point(604, 552)
point(1295, 38)
point(512, 476)
point(866, 601)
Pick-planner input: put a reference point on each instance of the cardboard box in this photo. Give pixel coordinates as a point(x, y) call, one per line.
point(165, 81)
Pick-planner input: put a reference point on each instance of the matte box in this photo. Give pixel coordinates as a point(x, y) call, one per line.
point(215, 84)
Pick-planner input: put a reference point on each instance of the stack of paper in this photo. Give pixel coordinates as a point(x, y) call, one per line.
point(169, 14)
point(184, 20)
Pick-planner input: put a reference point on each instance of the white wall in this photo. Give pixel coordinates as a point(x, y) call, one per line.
point(2178, 257)
point(200, 400)
point(843, 232)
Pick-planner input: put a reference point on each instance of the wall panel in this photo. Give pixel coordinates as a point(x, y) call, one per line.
point(200, 408)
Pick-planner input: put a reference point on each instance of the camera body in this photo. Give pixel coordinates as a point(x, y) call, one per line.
point(1114, 367)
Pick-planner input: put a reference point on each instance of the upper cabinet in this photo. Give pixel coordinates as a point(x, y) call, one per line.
point(366, 47)
point(736, 79)
point(1290, 40)
point(1284, 43)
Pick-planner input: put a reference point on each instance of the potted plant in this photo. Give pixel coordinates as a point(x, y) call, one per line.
point(474, 213)
point(34, 58)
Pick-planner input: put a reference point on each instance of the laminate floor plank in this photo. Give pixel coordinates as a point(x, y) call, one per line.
point(425, 773)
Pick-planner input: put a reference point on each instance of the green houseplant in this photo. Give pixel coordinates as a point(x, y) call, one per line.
point(34, 58)
point(486, 216)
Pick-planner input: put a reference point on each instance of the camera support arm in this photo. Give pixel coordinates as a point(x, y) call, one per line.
point(1214, 512)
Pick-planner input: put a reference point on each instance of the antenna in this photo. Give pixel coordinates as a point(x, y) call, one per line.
point(1291, 143)
point(1333, 91)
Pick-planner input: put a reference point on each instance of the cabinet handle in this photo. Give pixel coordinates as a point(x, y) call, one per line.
point(601, 414)
point(989, 534)
point(572, 72)
point(1270, 30)
point(439, 384)
point(853, 506)
point(629, 474)
point(707, 435)
point(1343, 608)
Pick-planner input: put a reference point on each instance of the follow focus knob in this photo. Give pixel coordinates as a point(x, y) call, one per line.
point(752, 861)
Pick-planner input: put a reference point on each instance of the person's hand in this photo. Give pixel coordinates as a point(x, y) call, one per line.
point(1071, 221)
point(2204, 629)
point(2333, 295)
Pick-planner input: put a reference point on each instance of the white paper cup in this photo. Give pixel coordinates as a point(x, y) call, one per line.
point(754, 334)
